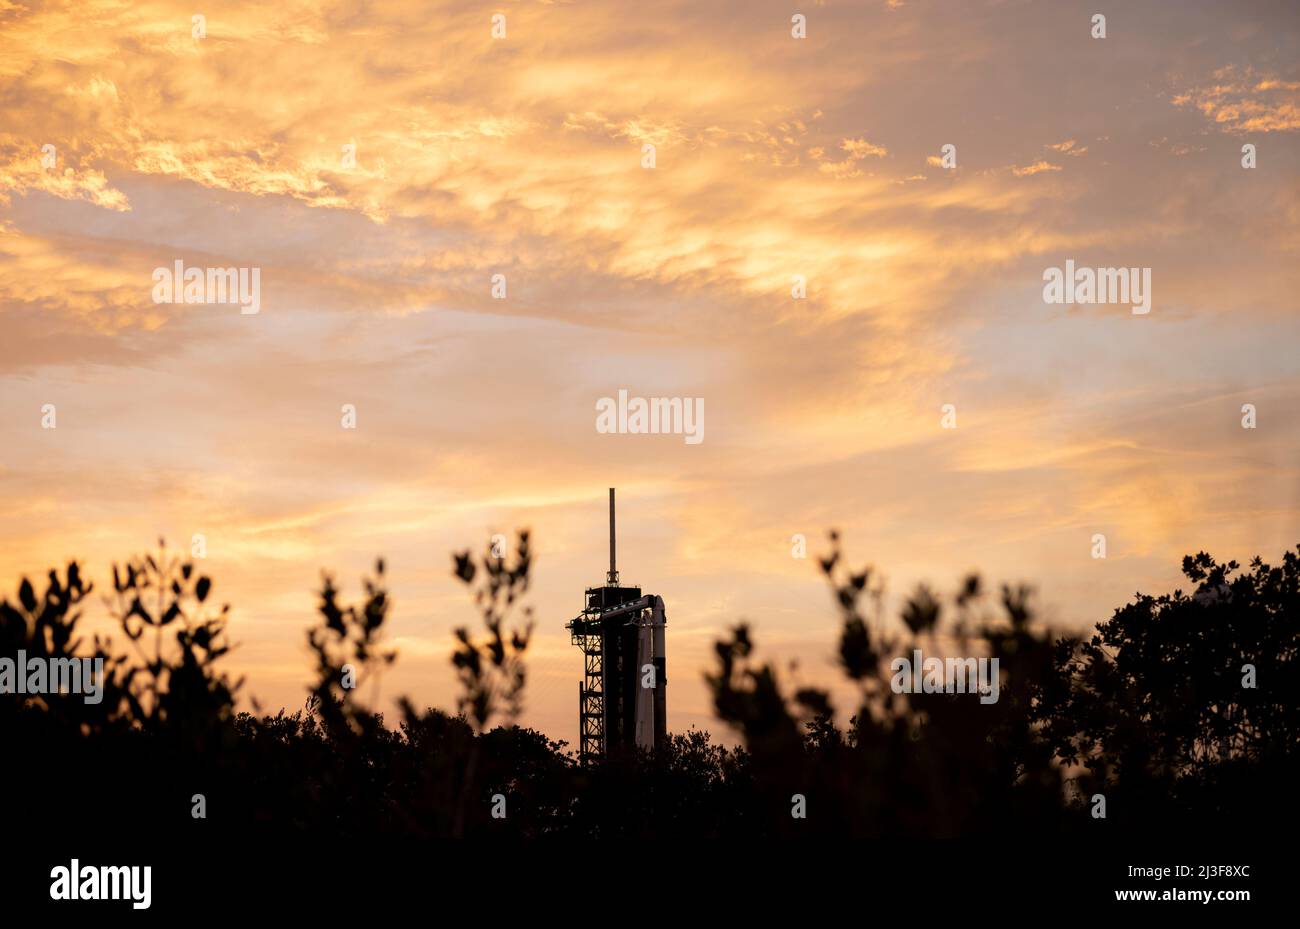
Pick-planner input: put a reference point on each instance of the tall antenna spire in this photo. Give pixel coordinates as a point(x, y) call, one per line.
point(611, 579)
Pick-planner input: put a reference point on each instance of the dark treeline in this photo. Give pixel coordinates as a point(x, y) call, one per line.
point(1155, 712)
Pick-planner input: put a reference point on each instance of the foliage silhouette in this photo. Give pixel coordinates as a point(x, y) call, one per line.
point(1150, 711)
point(1155, 706)
point(909, 765)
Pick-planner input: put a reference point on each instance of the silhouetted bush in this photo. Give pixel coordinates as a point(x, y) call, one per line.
point(1151, 712)
point(919, 765)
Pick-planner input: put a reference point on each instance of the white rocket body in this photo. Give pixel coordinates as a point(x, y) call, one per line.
point(651, 699)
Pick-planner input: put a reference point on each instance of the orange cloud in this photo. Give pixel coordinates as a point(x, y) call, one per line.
point(1038, 167)
point(1242, 102)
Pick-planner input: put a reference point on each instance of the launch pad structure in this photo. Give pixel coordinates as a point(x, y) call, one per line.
point(622, 697)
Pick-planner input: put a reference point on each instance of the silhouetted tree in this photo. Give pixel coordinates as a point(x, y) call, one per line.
point(1187, 702)
point(1155, 711)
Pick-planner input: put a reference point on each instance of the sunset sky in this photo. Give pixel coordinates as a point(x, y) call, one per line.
point(522, 156)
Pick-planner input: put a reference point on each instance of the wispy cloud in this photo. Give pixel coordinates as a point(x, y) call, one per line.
point(1241, 100)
